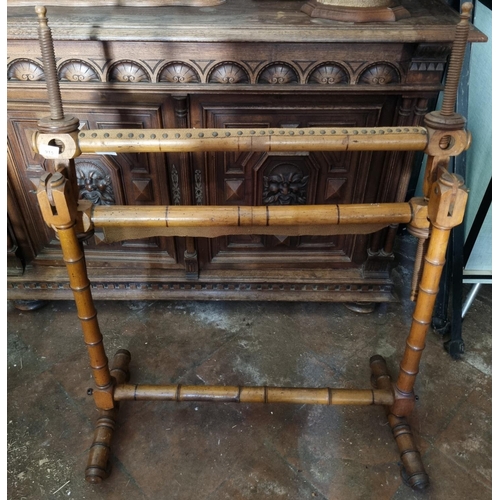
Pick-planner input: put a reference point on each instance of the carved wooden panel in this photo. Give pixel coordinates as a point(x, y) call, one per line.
point(24, 69)
point(104, 179)
point(78, 71)
point(189, 71)
point(242, 64)
point(182, 64)
point(288, 178)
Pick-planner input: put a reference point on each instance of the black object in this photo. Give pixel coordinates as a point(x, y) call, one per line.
point(451, 285)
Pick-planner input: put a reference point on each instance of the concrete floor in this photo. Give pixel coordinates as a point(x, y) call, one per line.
point(207, 451)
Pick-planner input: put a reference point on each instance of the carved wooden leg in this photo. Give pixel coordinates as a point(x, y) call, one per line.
point(191, 259)
point(412, 471)
point(99, 465)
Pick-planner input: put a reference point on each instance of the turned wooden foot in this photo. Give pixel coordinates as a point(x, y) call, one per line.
point(30, 305)
point(361, 307)
point(99, 464)
point(412, 471)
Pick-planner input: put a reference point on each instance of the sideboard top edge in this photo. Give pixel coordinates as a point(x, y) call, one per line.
point(235, 21)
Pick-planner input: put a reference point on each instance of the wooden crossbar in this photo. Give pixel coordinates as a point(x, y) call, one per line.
point(275, 216)
point(261, 394)
point(248, 139)
point(59, 145)
point(131, 222)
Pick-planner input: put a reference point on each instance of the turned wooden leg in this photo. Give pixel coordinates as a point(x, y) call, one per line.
point(412, 471)
point(99, 465)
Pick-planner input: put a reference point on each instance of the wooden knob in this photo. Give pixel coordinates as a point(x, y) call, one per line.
point(467, 9)
point(40, 10)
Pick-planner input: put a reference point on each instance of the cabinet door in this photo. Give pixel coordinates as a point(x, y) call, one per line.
point(107, 179)
point(288, 178)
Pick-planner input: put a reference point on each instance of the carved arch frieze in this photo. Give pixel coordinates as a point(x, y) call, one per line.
point(330, 73)
point(278, 73)
point(76, 70)
point(128, 72)
point(178, 72)
point(25, 70)
point(228, 73)
point(379, 73)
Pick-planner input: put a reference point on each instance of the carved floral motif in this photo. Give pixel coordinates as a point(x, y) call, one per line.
point(178, 72)
point(176, 190)
point(25, 70)
point(379, 74)
point(94, 184)
point(228, 73)
point(198, 187)
point(286, 185)
point(329, 74)
point(278, 73)
point(78, 71)
point(128, 71)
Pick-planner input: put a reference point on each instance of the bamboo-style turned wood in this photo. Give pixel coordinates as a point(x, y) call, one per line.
point(414, 472)
point(64, 219)
point(283, 139)
point(263, 394)
point(422, 315)
point(87, 314)
point(98, 464)
point(445, 210)
point(244, 139)
point(205, 216)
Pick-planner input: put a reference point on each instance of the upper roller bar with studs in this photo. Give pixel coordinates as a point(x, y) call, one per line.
point(67, 146)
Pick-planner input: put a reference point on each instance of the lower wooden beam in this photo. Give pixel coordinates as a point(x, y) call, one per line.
point(262, 394)
point(412, 467)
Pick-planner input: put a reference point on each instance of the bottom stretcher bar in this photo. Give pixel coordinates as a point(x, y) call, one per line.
point(263, 394)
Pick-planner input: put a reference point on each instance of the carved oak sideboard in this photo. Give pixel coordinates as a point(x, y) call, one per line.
point(239, 64)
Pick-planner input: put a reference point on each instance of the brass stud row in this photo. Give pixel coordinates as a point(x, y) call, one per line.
point(189, 135)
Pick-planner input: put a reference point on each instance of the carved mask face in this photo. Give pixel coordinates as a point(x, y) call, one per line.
point(94, 184)
point(286, 185)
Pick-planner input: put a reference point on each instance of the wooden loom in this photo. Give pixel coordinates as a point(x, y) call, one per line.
point(429, 218)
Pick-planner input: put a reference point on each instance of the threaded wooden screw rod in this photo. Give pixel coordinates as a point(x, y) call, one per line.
point(49, 65)
point(456, 61)
point(438, 123)
point(442, 125)
point(57, 122)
